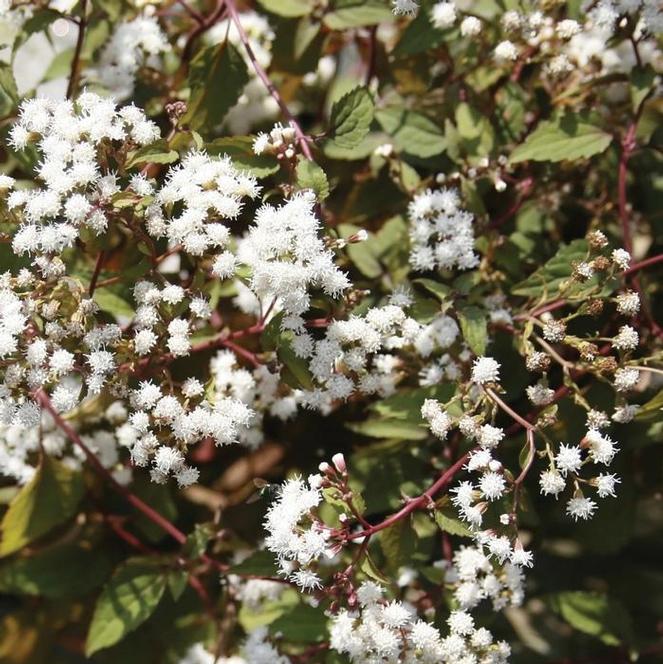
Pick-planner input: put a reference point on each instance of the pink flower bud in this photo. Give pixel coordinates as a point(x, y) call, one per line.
point(339, 462)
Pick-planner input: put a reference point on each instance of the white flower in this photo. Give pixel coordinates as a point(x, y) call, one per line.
point(404, 7)
point(506, 51)
point(540, 395)
point(492, 485)
point(443, 14)
point(626, 379)
point(490, 436)
point(580, 508)
point(627, 339)
point(568, 459)
point(605, 485)
point(441, 233)
point(485, 370)
point(621, 258)
point(628, 303)
point(470, 26)
point(626, 413)
point(552, 483)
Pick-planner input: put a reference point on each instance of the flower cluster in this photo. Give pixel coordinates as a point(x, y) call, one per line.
point(391, 632)
point(74, 141)
point(295, 534)
point(132, 45)
point(441, 232)
point(197, 194)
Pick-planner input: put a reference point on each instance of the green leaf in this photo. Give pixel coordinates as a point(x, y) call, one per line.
point(385, 428)
point(406, 404)
point(474, 327)
point(8, 91)
point(419, 36)
point(475, 130)
point(356, 13)
point(448, 520)
point(260, 563)
point(48, 500)
point(112, 303)
point(642, 82)
point(651, 410)
point(240, 151)
point(563, 139)
point(60, 66)
point(70, 570)
point(307, 30)
point(288, 8)
point(441, 292)
point(351, 117)
point(365, 148)
point(127, 601)
point(217, 77)
point(271, 335)
point(547, 279)
point(371, 570)
point(156, 153)
point(177, 582)
point(362, 254)
point(40, 20)
point(311, 176)
point(197, 541)
point(398, 543)
point(594, 614)
point(296, 372)
point(412, 132)
point(302, 624)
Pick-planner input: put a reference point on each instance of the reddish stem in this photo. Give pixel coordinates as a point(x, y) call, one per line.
point(154, 516)
point(425, 499)
point(647, 262)
point(262, 75)
point(97, 270)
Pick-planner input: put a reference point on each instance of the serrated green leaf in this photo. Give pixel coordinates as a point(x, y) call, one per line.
point(362, 254)
point(49, 499)
point(385, 428)
point(69, 570)
point(177, 582)
point(398, 543)
point(412, 132)
point(260, 563)
point(217, 77)
point(547, 279)
point(302, 624)
point(473, 324)
point(406, 404)
point(112, 303)
point(296, 372)
point(419, 36)
point(351, 117)
point(127, 601)
point(197, 541)
point(565, 139)
point(311, 176)
point(8, 91)
point(371, 570)
point(441, 292)
point(346, 14)
point(594, 614)
point(156, 153)
point(240, 151)
point(449, 522)
point(288, 8)
point(642, 82)
point(651, 410)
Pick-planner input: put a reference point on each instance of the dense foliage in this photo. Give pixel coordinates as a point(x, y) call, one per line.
point(330, 331)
